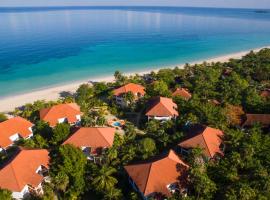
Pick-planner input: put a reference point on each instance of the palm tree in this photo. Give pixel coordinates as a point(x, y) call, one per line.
point(113, 194)
point(103, 179)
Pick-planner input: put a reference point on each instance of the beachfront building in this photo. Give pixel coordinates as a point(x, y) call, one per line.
point(119, 94)
point(158, 177)
point(26, 173)
point(183, 93)
point(92, 140)
point(68, 113)
point(207, 138)
point(262, 119)
point(161, 108)
point(12, 130)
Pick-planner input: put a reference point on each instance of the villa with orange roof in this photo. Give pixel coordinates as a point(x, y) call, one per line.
point(158, 177)
point(92, 140)
point(69, 113)
point(119, 94)
point(207, 138)
point(161, 108)
point(12, 130)
point(25, 173)
point(183, 93)
point(262, 119)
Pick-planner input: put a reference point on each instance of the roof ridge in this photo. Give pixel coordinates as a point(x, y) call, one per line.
point(149, 171)
point(98, 128)
point(13, 171)
point(206, 144)
point(164, 105)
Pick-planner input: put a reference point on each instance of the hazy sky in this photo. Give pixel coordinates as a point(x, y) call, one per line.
point(198, 3)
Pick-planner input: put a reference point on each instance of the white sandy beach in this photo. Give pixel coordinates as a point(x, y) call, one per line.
point(9, 103)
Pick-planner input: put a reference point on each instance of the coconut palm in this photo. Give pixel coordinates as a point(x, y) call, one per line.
point(113, 194)
point(103, 179)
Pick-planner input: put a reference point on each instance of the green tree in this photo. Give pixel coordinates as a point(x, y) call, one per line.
point(69, 161)
point(158, 88)
point(147, 147)
point(103, 179)
point(113, 194)
point(5, 194)
point(83, 94)
point(3, 117)
point(60, 133)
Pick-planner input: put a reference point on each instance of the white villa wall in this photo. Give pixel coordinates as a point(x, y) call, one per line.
point(20, 195)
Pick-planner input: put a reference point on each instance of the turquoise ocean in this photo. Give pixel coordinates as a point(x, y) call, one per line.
point(43, 47)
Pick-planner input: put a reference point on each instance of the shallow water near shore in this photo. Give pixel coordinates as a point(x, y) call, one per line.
point(44, 47)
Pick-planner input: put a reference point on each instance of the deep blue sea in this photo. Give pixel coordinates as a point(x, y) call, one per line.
point(42, 47)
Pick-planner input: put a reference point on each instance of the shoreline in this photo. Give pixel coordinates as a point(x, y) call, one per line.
point(9, 103)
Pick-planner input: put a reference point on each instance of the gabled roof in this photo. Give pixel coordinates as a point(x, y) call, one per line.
point(130, 87)
point(56, 112)
point(92, 137)
point(153, 176)
point(207, 138)
point(263, 119)
point(21, 170)
point(162, 106)
point(182, 92)
point(12, 126)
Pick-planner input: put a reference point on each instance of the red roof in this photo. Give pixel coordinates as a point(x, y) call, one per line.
point(56, 112)
point(130, 87)
point(182, 92)
point(263, 119)
point(207, 138)
point(21, 170)
point(162, 107)
point(155, 175)
point(12, 126)
point(92, 137)
point(265, 93)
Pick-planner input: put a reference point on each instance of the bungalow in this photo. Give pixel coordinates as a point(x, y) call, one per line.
point(119, 94)
point(12, 130)
point(158, 177)
point(251, 119)
point(207, 138)
point(25, 173)
point(161, 108)
point(183, 93)
point(54, 115)
point(92, 140)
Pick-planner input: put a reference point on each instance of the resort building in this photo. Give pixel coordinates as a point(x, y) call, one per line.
point(158, 177)
point(25, 173)
point(262, 119)
point(68, 113)
point(137, 90)
point(12, 130)
point(92, 140)
point(183, 93)
point(207, 138)
point(161, 108)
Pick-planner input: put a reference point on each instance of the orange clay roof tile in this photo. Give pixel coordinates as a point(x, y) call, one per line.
point(52, 114)
point(21, 170)
point(155, 175)
point(130, 87)
point(207, 138)
point(12, 126)
point(92, 137)
point(182, 92)
point(162, 106)
point(263, 119)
